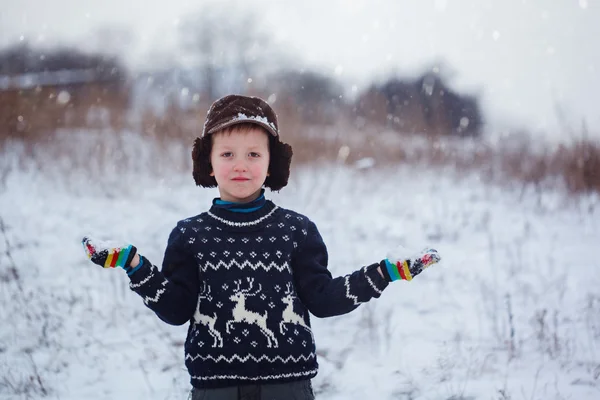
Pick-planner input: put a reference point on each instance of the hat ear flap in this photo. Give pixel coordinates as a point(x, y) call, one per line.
point(279, 165)
point(202, 168)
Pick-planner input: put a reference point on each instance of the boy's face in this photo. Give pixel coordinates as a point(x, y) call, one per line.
point(240, 163)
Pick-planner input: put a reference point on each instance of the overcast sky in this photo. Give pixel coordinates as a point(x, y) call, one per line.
point(526, 57)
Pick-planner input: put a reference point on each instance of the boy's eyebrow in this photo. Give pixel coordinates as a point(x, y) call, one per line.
point(228, 146)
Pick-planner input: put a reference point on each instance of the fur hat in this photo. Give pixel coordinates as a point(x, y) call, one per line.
point(242, 110)
point(235, 109)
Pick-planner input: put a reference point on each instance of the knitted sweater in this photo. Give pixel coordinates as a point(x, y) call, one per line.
point(246, 282)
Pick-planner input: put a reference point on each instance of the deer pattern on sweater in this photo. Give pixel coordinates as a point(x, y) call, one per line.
point(243, 316)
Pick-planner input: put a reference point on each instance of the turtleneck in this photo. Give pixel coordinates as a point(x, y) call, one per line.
point(248, 207)
point(225, 219)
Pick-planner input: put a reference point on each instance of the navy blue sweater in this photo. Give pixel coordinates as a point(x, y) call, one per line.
point(246, 282)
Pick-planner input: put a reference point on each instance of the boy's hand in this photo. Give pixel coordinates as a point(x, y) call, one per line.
point(404, 264)
point(108, 254)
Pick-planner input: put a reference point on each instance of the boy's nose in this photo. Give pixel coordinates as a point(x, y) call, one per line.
point(240, 166)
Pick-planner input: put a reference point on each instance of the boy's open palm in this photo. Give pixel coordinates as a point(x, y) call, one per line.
point(109, 254)
point(404, 264)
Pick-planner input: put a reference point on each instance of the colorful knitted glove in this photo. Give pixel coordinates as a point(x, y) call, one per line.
point(404, 264)
point(108, 254)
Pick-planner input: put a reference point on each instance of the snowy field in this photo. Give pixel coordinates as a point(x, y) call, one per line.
point(512, 311)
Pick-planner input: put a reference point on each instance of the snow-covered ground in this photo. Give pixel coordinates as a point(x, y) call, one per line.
point(512, 311)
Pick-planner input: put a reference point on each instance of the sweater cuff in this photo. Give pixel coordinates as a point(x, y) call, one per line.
point(129, 269)
point(376, 281)
point(142, 274)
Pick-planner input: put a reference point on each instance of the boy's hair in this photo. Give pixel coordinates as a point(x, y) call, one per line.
point(236, 112)
point(280, 158)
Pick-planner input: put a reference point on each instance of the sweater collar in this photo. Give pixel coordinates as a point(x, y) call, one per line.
point(243, 221)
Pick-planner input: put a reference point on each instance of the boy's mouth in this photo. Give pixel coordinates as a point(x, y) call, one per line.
point(240, 179)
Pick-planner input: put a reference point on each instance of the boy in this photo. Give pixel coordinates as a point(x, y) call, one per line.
point(247, 273)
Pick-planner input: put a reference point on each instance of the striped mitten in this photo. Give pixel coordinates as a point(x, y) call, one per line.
point(403, 264)
point(109, 255)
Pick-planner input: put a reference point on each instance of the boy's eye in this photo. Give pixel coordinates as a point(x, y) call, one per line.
point(226, 154)
point(254, 154)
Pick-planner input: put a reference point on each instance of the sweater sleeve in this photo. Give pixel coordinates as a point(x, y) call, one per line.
point(323, 295)
point(172, 293)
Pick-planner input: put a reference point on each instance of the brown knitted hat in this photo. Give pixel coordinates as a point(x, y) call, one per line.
point(236, 109)
point(233, 110)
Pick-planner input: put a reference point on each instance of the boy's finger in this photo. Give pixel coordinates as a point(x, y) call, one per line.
point(88, 246)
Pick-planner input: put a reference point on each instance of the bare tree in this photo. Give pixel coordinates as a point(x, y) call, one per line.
point(111, 39)
point(317, 97)
point(224, 41)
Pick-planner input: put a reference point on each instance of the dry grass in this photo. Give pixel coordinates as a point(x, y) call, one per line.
point(579, 166)
point(575, 166)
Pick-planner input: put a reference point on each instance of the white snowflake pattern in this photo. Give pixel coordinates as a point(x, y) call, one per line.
point(277, 288)
point(199, 220)
point(266, 255)
point(225, 286)
point(186, 220)
point(219, 304)
point(304, 231)
point(213, 253)
point(217, 239)
point(204, 240)
point(263, 296)
point(199, 256)
point(253, 343)
point(226, 253)
point(237, 340)
point(293, 228)
point(286, 237)
point(259, 239)
point(195, 229)
point(245, 240)
point(281, 225)
point(278, 253)
point(231, 240)
point(304, 343)
point(182, 229)
point(288, 216)
point(191, 240)
point(207, 228)
point(201, 343)
point(272, 239)
point(239, 253)
point(245, 332)
point(295, 244)
point(252, 254)
point(272, 305)
point(290, 340)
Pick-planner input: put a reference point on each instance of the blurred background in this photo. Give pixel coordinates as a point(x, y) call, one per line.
point(461, 68)
point(522, 59)
point(520, 71)
point(470, 125)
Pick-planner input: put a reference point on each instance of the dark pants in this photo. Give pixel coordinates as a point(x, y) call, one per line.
point(299, 390)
